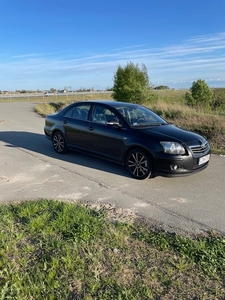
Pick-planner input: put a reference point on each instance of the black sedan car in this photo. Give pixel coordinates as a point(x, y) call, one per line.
point(128, 134)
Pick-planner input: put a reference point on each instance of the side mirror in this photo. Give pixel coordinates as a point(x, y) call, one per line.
point(114, 123)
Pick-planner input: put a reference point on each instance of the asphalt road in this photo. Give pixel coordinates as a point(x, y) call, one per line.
point(30, 169)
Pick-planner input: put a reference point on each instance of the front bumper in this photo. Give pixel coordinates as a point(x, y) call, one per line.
point(175, 166)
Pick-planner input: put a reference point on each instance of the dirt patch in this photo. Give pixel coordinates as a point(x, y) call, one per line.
point(115, 213)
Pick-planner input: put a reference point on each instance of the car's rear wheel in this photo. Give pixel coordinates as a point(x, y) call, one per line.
point(139, 164)
point(59, 142)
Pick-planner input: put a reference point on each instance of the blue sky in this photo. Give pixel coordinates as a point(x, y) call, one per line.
point(81, 43)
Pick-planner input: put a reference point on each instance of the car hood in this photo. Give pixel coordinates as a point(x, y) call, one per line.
point(171, 132)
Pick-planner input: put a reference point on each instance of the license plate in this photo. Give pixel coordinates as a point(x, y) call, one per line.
point(204, 159)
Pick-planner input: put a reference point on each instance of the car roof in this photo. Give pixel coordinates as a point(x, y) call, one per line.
point(109, 102)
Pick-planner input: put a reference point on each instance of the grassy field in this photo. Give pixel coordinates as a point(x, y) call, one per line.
point(57, 250)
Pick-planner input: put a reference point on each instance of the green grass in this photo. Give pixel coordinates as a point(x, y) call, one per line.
point(58, 250)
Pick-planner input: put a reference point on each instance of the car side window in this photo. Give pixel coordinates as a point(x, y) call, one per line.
point(102, 115)
point(80, 112)
point(110, 116)
point(69, 113)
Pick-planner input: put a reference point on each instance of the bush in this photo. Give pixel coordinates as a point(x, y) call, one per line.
point(200, 95)
point(131, 84)
point(218, 99)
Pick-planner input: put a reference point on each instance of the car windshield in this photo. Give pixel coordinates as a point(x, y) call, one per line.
point(140, 116)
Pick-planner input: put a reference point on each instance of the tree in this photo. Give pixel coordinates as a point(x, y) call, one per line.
point(162, 87)
point(52, 90)
point(131, 84)
point(200, 94)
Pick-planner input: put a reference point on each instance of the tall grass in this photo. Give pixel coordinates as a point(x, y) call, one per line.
point(207, 123)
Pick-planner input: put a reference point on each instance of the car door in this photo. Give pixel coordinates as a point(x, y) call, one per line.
point(75, 123)
point(104, 139)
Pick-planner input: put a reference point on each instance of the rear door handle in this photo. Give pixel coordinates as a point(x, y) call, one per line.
point(91, 128)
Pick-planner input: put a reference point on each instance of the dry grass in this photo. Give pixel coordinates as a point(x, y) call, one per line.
point(210, 124)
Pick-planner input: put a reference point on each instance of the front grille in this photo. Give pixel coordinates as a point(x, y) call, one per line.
point(198, 149)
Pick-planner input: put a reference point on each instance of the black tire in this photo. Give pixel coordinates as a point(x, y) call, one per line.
point(59, 143)
point(139, 164)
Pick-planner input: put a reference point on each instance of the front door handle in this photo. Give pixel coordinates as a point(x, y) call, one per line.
point(91, 128)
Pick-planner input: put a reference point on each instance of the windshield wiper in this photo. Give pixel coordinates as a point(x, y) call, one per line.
point(148, 125)
point(143, 125)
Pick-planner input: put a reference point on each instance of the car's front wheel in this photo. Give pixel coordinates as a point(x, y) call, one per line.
point(59, 142)
point(139, 164)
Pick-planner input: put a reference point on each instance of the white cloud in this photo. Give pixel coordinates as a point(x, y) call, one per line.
point(199, 57)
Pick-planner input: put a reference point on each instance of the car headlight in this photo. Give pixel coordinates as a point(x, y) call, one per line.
point(173, 148)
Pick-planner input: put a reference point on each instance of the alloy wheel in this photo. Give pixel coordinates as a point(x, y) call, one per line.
point(138, 164)
point(59, 142)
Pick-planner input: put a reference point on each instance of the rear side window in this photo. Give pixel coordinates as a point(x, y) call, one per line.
point(79, 112)
point(69, 113)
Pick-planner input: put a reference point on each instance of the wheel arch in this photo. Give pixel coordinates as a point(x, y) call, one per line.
point(58, 130)
point(139, 163)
